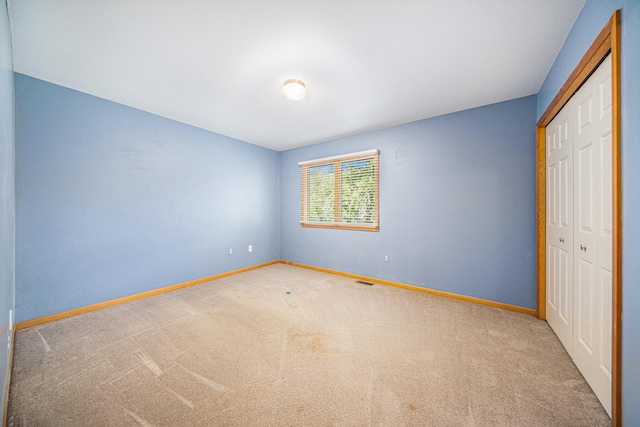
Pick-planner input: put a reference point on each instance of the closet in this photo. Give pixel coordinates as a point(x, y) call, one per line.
point(579, 229)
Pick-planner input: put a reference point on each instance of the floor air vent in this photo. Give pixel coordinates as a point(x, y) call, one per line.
point(362, 282)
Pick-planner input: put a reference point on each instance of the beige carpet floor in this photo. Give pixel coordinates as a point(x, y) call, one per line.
point(286, 346)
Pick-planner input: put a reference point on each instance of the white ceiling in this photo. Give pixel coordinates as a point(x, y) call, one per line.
point(220, 64)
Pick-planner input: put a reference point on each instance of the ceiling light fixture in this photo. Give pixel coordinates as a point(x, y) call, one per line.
point(294, 89)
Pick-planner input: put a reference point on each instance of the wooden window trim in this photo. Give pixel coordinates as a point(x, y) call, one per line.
point(607, 42)
point(337, 161)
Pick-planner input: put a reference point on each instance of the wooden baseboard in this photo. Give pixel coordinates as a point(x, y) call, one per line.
point(5, 409)
point(81, 310)
point(451, 295)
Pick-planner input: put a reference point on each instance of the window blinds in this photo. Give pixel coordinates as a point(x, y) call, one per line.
point(341, 191)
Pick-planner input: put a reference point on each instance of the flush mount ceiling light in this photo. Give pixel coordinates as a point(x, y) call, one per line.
point(294, 89)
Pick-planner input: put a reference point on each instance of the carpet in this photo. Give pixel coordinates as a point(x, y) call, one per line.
point(287, 346)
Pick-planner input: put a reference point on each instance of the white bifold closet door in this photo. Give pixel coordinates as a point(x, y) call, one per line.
point(580, 229)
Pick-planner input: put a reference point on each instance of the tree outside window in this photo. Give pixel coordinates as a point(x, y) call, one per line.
point(341, 192)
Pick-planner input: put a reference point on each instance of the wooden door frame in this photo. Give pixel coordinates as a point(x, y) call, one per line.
point(608, 41)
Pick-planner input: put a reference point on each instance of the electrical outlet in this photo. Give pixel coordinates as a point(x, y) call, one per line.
point(250, 248)
point(230, 251)
point(386, 258)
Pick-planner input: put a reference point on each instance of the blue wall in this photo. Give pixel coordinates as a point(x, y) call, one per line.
point(7, 194)
point(457, 205)
point(113, 201)
point(593, 17)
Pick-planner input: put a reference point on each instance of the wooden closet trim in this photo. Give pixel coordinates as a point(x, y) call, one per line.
point(608, 41)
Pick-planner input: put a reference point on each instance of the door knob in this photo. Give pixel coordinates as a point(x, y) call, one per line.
point(561, 240)
point(583, 248)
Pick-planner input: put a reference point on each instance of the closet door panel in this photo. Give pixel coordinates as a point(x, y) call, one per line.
point(586, 175)
point(565, 289)
point(585, 309)
point(602, 360)
point(593, 231)
point(560, 227)
point(604, 294)
point(605, 259)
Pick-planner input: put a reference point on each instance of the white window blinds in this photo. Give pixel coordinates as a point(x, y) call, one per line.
point(341, 191)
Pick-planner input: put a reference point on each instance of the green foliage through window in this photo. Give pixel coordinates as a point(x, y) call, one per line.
point(321, 194)
point(357, 190)
point(341, 192)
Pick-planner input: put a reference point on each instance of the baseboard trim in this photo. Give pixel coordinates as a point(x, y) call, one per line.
point(93, 307)
point(451, 295)
point(5, 410)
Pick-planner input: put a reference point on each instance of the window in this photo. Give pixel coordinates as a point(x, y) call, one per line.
point(341, 192)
